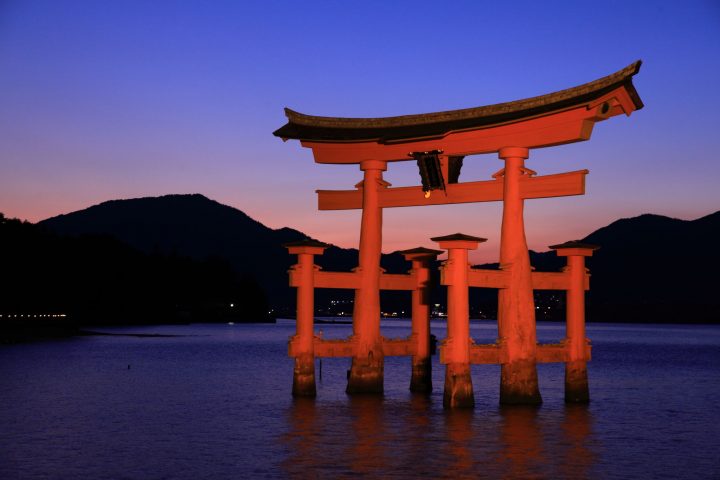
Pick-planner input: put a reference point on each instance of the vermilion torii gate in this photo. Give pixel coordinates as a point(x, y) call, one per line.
point(439, 142)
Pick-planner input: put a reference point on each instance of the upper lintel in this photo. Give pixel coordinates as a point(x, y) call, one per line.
point(388, 130)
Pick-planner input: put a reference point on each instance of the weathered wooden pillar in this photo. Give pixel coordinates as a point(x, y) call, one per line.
point(366, 370)
point(576, 377)
point(516, 308)
point(455, 349)
point(301, 344)
point(421, 380)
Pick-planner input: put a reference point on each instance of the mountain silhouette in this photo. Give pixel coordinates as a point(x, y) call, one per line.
point(657, 267)
point(200, 228)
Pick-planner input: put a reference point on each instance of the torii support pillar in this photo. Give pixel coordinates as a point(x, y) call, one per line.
point(516, 307)
point(366, 370)
point(421, 380)
point(301, 344)
point(576, 377)
point(455, 352)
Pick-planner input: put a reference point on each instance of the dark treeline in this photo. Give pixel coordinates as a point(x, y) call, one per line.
point(100, 280)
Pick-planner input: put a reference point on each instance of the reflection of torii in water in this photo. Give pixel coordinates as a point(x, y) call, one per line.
point(439, 142)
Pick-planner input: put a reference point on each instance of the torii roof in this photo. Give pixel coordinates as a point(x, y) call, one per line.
point(392, 129)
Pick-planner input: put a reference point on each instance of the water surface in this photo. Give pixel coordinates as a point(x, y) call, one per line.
point(214, 402)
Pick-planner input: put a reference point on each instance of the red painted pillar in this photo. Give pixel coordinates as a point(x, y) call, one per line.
point(421, 380)
point(455, 350)
point(301, 344)
point(366, 370)
point(516, 307)
point(576, 378)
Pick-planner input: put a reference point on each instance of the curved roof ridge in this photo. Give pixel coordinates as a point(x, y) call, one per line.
point(302, 126)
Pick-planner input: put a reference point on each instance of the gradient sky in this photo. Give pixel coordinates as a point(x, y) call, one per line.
point(105, 100)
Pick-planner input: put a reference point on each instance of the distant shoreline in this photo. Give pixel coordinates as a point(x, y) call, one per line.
point(17, 332)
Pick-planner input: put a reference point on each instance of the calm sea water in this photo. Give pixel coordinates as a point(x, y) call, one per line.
point(215, 402)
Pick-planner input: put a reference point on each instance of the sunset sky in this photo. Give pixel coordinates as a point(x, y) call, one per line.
point(107, 100)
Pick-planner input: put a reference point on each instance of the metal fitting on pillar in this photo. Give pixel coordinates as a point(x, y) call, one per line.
point(513, 152)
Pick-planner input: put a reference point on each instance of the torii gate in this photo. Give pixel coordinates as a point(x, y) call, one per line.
point(439, 142)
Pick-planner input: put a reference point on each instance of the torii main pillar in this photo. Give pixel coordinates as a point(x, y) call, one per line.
point(516, 308)
point(366, 370)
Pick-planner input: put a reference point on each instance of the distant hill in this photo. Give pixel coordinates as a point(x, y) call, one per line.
point(200, 228)
point(655, 267)
point(649, 268)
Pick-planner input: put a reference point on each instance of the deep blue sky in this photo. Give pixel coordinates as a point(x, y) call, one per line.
point(104, 100)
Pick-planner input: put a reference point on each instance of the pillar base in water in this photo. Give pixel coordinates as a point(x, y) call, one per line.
point(458, 386)
point(304, 376)
point(421, 380)
point(519, 383)
point(365, 375)
point(576, 382)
